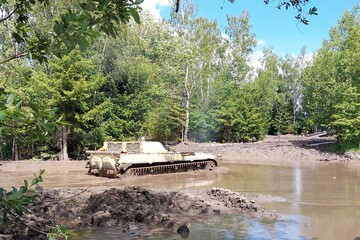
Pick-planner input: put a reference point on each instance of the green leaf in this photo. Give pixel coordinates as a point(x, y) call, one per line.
point(35, 181)
point(10, 100)
point(58, 27)
point(3, 115)
point(17, 37)
point(83, 42)
point(313, 11)
point(26, 184)
point(136, 16)
point(14, 195)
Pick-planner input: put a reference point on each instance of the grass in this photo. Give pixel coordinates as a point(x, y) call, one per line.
point(341, 148)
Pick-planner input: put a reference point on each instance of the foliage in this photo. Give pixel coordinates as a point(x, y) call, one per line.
point(134, 84)
point(39, 30)
point(240, 121)
point(24, 121)
point(59, 232)
point(176, 80)
point(76, 25)
point(201, 126)
point(346, 120)
point(13, 112)
point(70, 84)
point(297, 5)
point(14, 203)
point(238, 111)
point(332, 83)
point(341, 148)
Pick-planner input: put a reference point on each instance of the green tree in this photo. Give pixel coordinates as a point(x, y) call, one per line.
point(346, 120)
point(22, 124)
point(39, 30)
point(237, 102)
point(70, 83)
point(292, 69)
point(334, 70)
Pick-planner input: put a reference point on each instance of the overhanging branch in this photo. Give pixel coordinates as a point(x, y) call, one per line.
point(10, 14)
point(14, 57)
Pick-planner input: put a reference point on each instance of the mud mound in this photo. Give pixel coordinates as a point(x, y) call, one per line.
point(136, 204)
point(229, 202)
point(233, 200)
point(119, 207)
point(124, 208)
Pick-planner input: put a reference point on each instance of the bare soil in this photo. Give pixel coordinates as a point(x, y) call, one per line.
point(78, 207)
point(274, 150)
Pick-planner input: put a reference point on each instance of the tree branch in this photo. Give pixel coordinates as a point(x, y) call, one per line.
point(177, 6)
point(14, 57)
point(10, 14)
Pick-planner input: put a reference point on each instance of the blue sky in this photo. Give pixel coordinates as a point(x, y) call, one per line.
point(273, 28)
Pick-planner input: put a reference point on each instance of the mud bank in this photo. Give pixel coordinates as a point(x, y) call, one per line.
point(275, 149)
point(128, 207)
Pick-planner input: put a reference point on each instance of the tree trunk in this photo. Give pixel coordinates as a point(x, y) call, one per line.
point(187, 105)
point(187, 120)
point(294, 116)
point(63, 155)
point(15, 152)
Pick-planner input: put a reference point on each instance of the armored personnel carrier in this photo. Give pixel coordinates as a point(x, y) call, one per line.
point(144, 157)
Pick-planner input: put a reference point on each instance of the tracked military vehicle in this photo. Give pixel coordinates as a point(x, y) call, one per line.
point(144, 157)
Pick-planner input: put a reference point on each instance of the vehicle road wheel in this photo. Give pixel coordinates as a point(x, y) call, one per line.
point(102, 173)
point(210, 166)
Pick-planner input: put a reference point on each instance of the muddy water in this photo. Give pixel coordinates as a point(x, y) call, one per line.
point(321, 201)
point(316, 201)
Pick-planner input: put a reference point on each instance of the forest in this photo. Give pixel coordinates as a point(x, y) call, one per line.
point(70, 80)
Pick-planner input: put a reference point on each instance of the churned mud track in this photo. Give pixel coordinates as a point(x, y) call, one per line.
point(274, 150)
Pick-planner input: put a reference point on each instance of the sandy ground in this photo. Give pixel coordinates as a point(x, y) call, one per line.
point(67, 202)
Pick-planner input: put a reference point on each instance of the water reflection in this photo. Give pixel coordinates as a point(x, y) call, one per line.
point(230, 227)
point(322, 202)
point(323, 199)
point(298, 182)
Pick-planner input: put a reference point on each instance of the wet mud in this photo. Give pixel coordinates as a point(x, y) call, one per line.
point(126, 208)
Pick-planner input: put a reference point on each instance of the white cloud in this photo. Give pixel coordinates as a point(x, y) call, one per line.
point(260, 42)
point(225, 36)
point(154, 6)
point(309, 57)
point(255, 59)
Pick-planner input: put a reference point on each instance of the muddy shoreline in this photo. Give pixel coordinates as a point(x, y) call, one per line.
point(71, 202)
point(129, 208)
